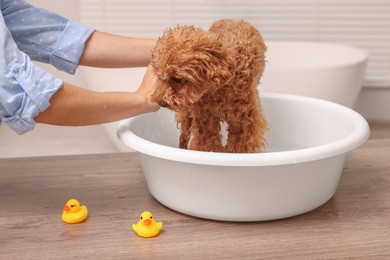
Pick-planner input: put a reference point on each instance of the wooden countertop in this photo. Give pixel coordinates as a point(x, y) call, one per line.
point(354, 223)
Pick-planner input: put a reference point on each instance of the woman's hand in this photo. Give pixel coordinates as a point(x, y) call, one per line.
point(148, 85)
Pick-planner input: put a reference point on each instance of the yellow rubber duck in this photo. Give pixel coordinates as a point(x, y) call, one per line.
point(73, 212)
point(146, 226)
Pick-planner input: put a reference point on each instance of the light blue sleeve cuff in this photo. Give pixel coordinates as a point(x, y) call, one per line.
point(70, 46)
point(39, 86)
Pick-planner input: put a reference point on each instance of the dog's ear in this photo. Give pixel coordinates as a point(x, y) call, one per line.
point(217, 62)
point(198, 56)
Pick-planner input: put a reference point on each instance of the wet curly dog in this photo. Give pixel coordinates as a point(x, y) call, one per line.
point(209, 77)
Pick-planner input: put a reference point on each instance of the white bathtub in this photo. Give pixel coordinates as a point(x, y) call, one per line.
point(327, 71)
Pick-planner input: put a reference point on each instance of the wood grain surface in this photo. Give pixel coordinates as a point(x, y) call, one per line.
point(355, 223)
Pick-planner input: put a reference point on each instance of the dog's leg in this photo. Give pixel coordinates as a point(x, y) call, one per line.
point(185, 122)
point(246, 132)
point(206, 134)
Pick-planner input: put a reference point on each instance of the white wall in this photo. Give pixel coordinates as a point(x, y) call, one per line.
point(67, 8)
point(374, 104)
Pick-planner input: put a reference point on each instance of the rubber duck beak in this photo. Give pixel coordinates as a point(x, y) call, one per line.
point(66, 208)
point(147, 222)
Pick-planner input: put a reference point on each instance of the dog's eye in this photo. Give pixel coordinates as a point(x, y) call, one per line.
point(176, 79)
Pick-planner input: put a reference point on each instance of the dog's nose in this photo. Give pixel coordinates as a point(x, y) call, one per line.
point(163, 104)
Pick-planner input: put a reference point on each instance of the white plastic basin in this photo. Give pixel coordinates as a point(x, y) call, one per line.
point(328, 71)
point(307, 147)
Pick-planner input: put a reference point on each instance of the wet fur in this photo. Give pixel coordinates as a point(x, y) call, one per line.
point(209, 77)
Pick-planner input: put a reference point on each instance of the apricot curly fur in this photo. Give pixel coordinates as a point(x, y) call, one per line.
point(209, 77)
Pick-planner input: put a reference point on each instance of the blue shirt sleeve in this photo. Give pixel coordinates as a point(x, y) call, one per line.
point(46, 36)
point(25, 89)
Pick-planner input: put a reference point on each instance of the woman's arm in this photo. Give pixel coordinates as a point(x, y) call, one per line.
point(74, 106)
point(106, 50)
